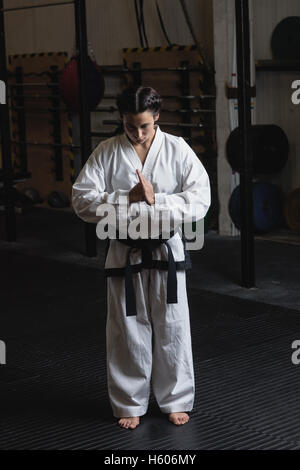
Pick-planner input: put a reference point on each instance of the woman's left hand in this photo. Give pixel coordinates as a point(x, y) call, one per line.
point(147, 189)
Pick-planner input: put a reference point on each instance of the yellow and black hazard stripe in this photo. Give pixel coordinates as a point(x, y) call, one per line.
point(36, 54)
point(162, 49)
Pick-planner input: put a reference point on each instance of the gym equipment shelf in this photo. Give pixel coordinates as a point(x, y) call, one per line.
point(85, 118)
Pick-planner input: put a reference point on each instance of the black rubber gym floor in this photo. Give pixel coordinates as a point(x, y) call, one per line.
point(53, 387)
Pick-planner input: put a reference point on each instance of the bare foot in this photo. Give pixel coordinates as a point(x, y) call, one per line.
point(131, 422)
point(179, 418)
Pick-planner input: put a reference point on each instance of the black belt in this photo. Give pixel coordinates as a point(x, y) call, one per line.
point(147, 246)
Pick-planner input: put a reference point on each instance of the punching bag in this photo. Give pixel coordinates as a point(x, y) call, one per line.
point(267, 207)
point(270, 149)
point(69, 85)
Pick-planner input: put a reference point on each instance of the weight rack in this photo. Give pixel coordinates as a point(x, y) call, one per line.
point(7, 176)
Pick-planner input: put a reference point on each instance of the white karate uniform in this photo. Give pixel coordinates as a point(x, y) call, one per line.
point(157, 340)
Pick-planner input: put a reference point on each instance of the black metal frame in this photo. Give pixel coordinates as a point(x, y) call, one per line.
point(85, 116)
point(244, 117)
point(7, 174)
point(21, 134)
point(244, 114)
point(85, 124)
point(56, 123)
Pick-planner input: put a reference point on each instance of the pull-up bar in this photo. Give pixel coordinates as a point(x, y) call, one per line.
point(29, 7)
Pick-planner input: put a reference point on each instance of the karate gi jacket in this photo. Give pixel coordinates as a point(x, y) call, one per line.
point(180, 183)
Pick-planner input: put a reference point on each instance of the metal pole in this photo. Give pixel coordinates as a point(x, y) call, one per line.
point(21, 119)
point(10, 215)
point(85, 117)
point(244, 116)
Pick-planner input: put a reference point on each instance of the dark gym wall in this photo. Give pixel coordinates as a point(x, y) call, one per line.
point(111, 26)
point(274, 91)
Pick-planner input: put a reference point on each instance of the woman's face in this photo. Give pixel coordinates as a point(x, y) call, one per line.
point(140, 127)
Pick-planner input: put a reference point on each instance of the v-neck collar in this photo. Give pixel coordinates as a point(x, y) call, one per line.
point(151, 155)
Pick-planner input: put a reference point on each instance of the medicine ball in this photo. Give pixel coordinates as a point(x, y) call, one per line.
point(286, 39)
point(69, 86)
point(292, 210)
point(33, 194)
point(267, 207)
point(58, 199)
point(270, 149)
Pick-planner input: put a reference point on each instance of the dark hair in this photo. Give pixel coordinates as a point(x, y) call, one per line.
point(137, 99)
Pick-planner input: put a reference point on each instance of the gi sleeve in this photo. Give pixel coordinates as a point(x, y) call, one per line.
point(193, 202)
point(89, 192)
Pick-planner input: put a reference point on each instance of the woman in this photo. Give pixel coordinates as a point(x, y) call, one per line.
point(146, 171)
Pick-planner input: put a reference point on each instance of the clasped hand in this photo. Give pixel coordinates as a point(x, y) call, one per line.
point(143, 191)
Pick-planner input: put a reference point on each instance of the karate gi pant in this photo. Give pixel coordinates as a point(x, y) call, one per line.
point(157, 342)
